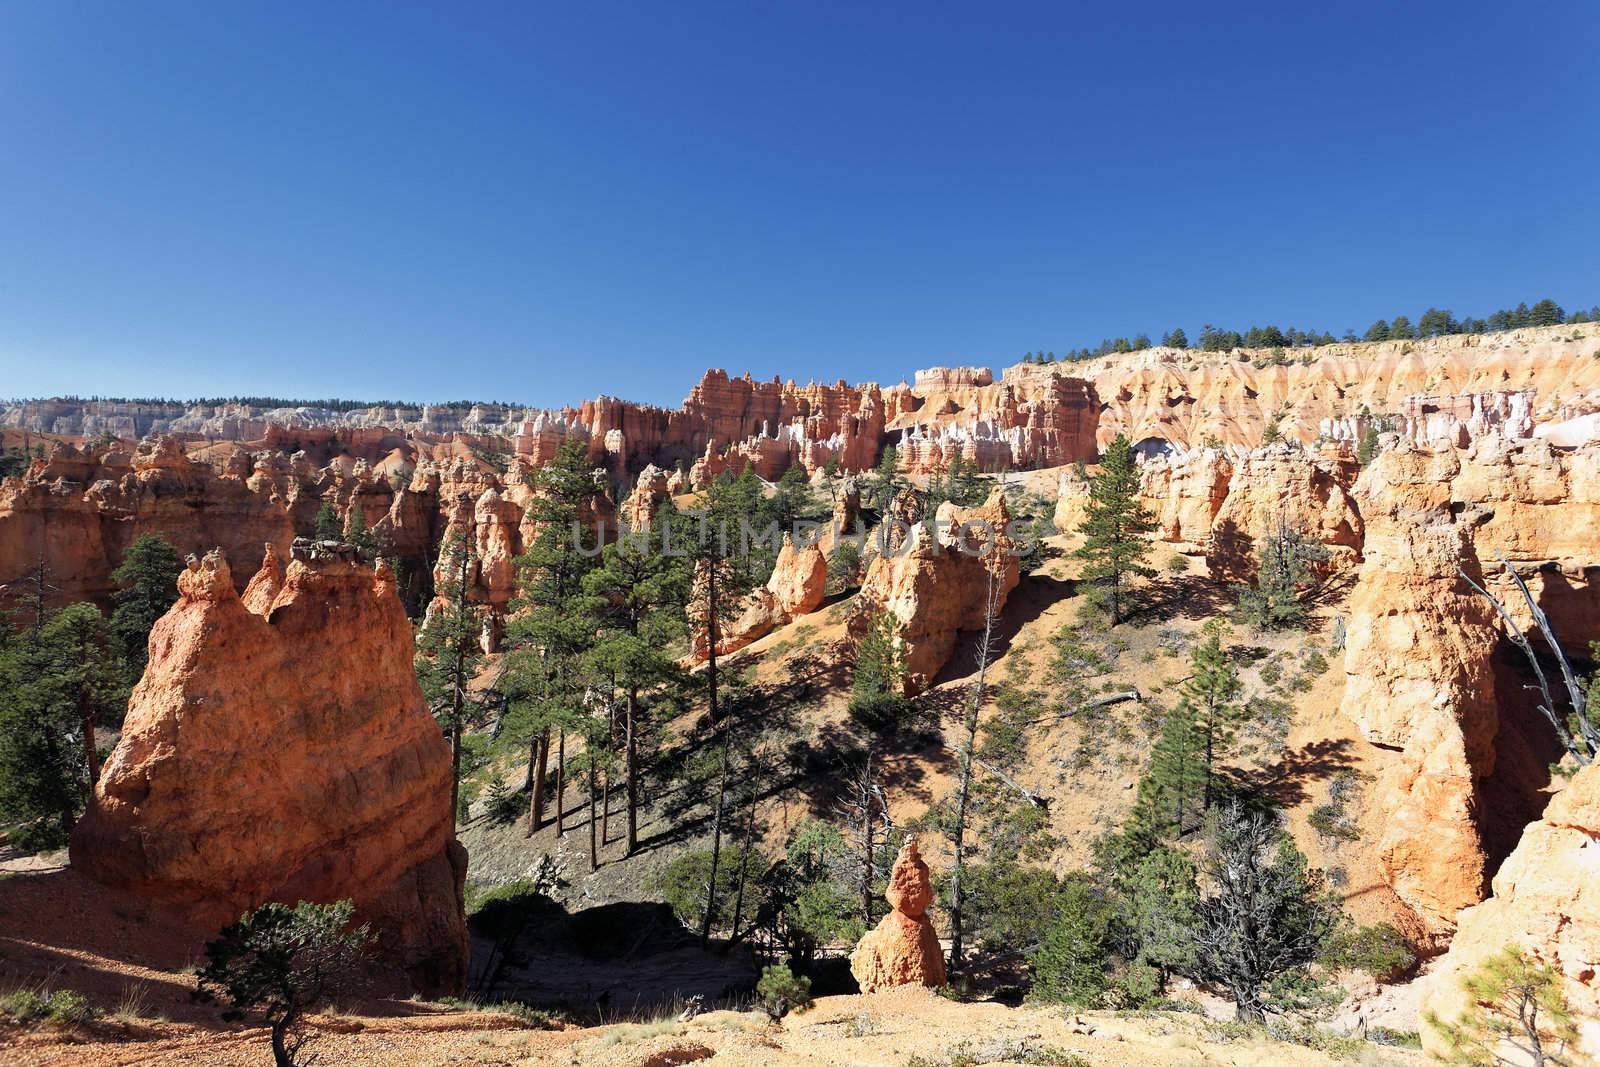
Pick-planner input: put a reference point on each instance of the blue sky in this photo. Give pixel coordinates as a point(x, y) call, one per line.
point(543, 202)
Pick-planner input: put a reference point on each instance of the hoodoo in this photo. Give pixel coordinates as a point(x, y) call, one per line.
point(287, 754)
point(903, 949)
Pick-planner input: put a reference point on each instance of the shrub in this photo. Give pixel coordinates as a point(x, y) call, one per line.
point(1380, 950)
point(283, 962)
point(881, 713)
point(1178, 563)
point(68, 1006)
point(503, 805)
point(781, 991)
point(1070, 965)
point(25, 1005)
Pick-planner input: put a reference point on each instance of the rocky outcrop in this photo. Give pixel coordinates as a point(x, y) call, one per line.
point(1046, 423)
point(937, 585)
point(903, 948)
point(796, 587)
point(1418, 678)
point(286, 753)
point(79, 510)
point(1546, 901)
point(1280, 484)
point(649, 495)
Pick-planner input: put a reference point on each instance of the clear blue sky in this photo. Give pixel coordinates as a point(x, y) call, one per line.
point(542, 202)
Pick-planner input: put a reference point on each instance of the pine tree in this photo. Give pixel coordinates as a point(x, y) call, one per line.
point(1367, 450)
point(723, 576)
point(1401, 329)
point(1172, 793)
point(1378, 331)
point(1212, 689)
point(326, 525)
point(59, 679)
point(1546, 313)
point(554, 624)
point(1116, 528)
point(1285, 557)
point(448, 653)
point(149, 576)
point(1176, 339)
point(1268, 917)
point(1515, 1001)
point(641, 593)
point(887, 481)
point(877, 690)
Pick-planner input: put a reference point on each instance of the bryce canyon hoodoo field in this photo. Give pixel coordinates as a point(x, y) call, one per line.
point(848, 679)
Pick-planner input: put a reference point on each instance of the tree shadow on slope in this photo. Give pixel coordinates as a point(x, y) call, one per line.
point(1288, 782)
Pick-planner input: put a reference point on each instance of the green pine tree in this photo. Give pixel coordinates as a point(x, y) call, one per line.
point(449, 653)
point(1285, 558)
point(877, 692)
point(1212, 690)
point(554, 623)
point(1172, 793)
point(640, 593)
point(1546, 313)
point(327, 526)
point(1367, 450)
point(59, 679)
point(1116, 529)
point(148, 575)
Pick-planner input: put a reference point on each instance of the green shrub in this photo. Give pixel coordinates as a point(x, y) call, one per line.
point(68, 1006)
point(24, 1005)
point(781, 991)
point(881, 713)
point(1070, 965)
point(1380, 950)
point(1178, 564)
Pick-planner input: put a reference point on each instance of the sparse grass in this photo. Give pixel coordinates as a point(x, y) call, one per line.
point(633, 1033)
point(862, 1025)
point(134, 1005)
point(1382, 1035)
point(972, 1053)
point(533, 1017)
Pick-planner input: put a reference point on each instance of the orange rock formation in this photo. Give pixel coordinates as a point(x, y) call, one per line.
point(938, 585)
point(286, 754)
point(903, 948)
point(1547, 901)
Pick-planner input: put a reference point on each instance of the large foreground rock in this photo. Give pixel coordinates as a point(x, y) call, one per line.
point(287, 755)
point(1547, 901)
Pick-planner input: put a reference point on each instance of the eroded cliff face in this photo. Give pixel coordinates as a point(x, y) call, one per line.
point(1188, 397)
point(796, 587)
point(283, 751)
point(1418, 677)
point(1546, 901)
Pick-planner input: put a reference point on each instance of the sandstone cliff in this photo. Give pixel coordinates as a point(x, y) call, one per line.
point(1547, 901)
point(286, 755)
